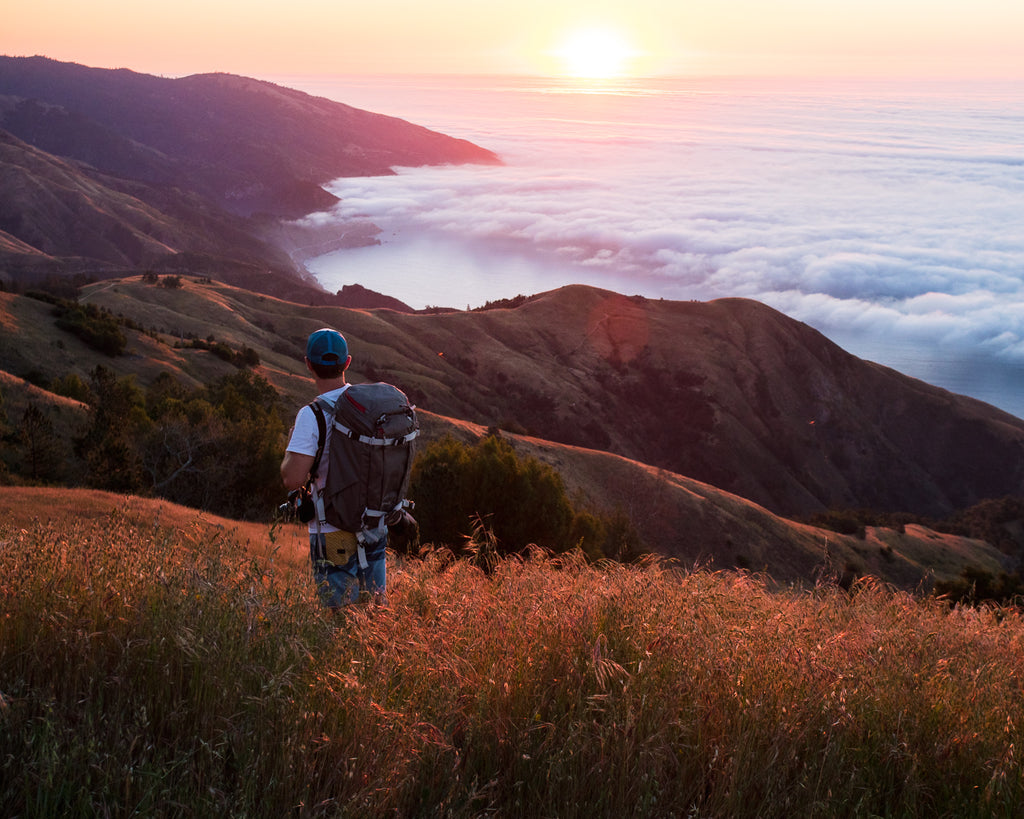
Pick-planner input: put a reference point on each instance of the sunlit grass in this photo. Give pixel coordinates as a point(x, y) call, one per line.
point(149, 671)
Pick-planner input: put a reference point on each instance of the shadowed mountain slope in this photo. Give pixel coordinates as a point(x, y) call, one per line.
point(109, 171)
point(247, 144)
point(59, 210)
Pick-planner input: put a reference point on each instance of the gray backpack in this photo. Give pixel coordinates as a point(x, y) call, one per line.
point(367, 439)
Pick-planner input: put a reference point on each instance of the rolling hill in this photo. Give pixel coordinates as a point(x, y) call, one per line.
point(729, 392)
point(629, 399)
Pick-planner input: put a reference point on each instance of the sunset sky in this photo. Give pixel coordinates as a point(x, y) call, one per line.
point(943, 38)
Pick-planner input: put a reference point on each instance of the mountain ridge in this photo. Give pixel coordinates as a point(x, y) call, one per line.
point(215, 160)
point(236, 139)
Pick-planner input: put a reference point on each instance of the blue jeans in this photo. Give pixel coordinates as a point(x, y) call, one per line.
point(341, 585)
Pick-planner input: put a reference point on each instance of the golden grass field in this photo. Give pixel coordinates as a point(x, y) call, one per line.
point(156, 661)
point(25, 506)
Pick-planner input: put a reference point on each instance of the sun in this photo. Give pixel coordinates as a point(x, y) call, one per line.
point(595, 53)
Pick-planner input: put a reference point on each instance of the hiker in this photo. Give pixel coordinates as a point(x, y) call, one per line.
point(348, 553)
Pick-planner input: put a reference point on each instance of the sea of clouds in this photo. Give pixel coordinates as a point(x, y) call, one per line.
point(888, 216)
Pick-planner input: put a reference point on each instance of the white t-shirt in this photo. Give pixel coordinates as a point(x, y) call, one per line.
point(304, 440)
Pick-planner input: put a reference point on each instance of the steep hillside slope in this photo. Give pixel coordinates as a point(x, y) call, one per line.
point(728, 392)
point(249, 145)
point(64, 211)
point(191, 174)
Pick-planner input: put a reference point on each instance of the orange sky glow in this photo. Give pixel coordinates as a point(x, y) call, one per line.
point(909, 38)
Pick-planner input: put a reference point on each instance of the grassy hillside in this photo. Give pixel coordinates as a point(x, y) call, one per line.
point(728, 392)
point(149, 660)
point(82, 220)
point(677, 516)
point(25, 507)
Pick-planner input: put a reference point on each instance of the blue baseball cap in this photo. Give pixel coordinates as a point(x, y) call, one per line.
point(327, 347)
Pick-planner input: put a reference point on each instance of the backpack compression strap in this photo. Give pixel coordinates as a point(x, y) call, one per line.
point(366, 439)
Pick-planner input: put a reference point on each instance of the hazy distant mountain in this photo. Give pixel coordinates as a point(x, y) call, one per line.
point(210, 150)
point(250, 145)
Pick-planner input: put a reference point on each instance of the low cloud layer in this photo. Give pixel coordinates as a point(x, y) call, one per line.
point(883, 213)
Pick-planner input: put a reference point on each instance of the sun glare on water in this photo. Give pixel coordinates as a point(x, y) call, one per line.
point(595, 53)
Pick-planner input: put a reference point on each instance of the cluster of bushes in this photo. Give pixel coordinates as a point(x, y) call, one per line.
point(997, 521)
point(216, 448)
point(461, 490)
point(504, 304)
point(245, 357)
point(843, 521)
point(97, 327)
point(855, 521)
point(170, 282)
point(976, 585)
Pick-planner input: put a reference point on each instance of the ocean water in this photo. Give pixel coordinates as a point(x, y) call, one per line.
point(888, 215)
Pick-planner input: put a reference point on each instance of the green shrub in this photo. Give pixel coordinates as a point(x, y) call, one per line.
point(520, 500)
point(843, 522)
point(246, 357)
point(71, 386)
point(976, 585)
point(93, 325)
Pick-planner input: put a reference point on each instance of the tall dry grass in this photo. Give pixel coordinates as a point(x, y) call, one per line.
point(150, 671)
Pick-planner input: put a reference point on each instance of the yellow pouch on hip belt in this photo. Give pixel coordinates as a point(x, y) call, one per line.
point(339, 547)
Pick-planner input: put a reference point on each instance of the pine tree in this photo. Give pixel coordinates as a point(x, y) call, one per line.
point(42, 453)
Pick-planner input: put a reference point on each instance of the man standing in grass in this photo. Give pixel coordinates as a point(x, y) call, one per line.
point(338, 565)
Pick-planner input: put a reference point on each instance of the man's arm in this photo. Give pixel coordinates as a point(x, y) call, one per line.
point(295, 469)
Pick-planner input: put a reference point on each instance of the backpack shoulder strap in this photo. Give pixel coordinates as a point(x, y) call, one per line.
point(320, 409)
point(321, 425)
